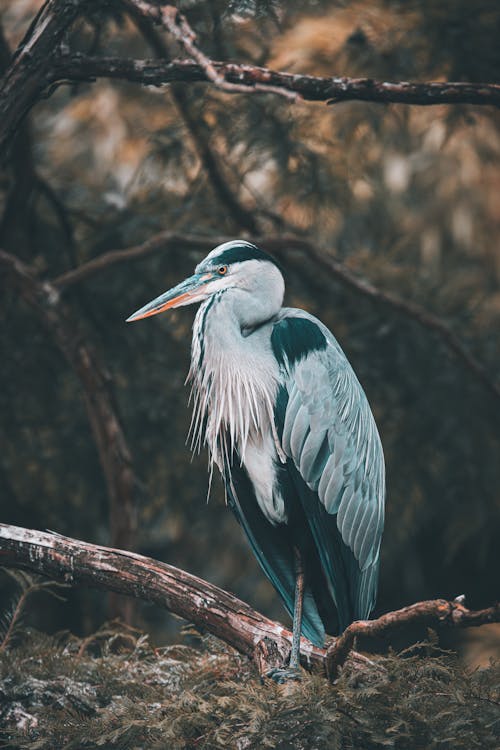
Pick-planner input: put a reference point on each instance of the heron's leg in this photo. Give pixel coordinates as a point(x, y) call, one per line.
point(292, 672)
point(297, 610)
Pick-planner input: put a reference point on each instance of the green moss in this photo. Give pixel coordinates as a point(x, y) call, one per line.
point(115, 691)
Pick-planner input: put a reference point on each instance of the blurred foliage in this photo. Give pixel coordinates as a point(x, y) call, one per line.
point(113, 690)
point(405, 196)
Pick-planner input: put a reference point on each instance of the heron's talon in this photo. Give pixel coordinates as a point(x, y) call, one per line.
point(280, 675)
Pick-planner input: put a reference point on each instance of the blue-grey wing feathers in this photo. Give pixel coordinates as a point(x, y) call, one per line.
point(272, 548)
point(329, 434)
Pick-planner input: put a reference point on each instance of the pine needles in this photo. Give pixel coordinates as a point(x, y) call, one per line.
point(11, 616)
point(118, 692)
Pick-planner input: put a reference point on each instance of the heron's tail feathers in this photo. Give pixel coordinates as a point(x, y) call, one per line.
point(312, 625)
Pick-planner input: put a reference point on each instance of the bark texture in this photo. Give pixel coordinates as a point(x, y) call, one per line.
point(38, 65)
point(207, 606)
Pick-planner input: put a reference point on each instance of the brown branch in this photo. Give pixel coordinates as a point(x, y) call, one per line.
point(244, 219)
point(196, 127)
point(433, 612)
point(311, 88)
point(38, 65)
point(176, 23)
point(207, 606)
point(280, 245)
point(22, 175)
point(28, 73)
point(106, 428)
point(19, 212)
point(162, 241)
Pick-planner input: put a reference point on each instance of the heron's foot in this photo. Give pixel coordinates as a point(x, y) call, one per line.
point(284, 674)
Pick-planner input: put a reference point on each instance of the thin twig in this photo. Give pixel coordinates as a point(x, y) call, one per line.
point(162, 241)
point(29, 587)
point(13, 619)
point(196, 127)
point(176, 23)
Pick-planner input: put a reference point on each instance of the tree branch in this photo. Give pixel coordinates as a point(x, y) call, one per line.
point(38, 65)
point(280, 245)
point(106, 428)
point(176, 23)
point(162, 241)
point(207, 606)
point(196, 127)
point(253, 79)
point(432, 612)
point(28, 73)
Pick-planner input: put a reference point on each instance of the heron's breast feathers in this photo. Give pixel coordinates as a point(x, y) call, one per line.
point(233, 389)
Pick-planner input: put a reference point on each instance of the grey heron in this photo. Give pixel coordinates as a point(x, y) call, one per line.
point(288, 424)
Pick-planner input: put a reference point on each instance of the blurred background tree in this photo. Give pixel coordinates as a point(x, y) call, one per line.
point(404, 197)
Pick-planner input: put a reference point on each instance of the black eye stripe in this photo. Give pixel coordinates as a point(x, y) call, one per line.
point(237, 252)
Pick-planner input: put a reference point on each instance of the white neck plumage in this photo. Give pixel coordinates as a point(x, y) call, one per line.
point(233, 377)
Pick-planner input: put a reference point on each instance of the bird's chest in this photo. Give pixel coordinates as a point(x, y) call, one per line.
point(240, 401)
point(235, 380)
point(261, 463)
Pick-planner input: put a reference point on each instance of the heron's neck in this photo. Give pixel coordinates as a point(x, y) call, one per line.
point(233, 372)
point(225, 325)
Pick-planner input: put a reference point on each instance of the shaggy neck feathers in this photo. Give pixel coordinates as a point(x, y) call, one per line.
point(233, 375)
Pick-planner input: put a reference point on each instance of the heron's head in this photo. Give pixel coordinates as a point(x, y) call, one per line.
point(237, 265)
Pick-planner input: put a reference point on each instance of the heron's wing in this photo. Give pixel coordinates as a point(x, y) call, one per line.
point(329, 435)
point(272, 548)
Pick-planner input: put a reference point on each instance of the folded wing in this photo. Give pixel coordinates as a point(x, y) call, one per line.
point(335, 457)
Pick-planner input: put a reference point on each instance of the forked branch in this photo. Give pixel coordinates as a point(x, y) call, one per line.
point(210, 608)
point(176, 23)
point(38, 66)
point(432, 612)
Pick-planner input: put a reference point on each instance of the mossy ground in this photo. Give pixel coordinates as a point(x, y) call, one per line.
point(115, 691)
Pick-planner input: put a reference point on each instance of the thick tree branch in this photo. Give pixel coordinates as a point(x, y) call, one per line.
point(176, 23)
point(16, 213)
point(207, 606)
point(106, 428)
point(280, 245)
point(311, 88)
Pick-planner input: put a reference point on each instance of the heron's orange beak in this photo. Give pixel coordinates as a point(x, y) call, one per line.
point(188, 291)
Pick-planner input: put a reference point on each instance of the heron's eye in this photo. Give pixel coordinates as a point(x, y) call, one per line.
point(222, 270)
